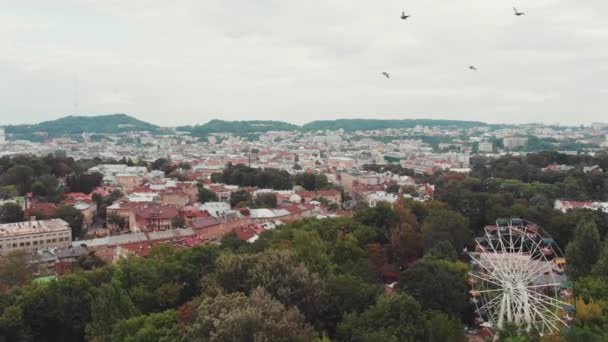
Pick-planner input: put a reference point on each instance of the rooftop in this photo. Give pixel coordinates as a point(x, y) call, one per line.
point(31, 227)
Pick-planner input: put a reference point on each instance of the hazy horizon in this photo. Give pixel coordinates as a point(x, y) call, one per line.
point(188, 62)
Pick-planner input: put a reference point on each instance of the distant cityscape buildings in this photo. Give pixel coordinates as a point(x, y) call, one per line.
point(486, 147)
point(515, 143)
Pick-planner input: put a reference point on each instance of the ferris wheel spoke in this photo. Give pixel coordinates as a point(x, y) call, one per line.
point(545, 321)
point(485, 279)
point(495, 290)
point(491, 303)
point(543, 285)
point(558, 303)
point(550, 312)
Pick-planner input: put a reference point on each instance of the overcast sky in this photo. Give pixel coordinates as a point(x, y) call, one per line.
point(190, 61)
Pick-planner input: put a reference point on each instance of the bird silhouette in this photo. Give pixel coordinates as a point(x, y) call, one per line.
point(518, 13)
point(403, 16)
point(386, 74)
point(472, 67)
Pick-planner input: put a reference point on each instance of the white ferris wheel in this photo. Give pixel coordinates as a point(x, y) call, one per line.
point(517, 276)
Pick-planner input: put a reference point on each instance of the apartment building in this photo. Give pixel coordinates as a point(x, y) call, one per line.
point(32, 236)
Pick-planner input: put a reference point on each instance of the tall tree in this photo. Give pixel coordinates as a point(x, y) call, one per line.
point(11, 213)
point(279, 272)
point(268, 200)
point(15, 269)
point(240, 198)
point(436, 286)
point(583, 252)
point(258, 317)
point(600, 268)
point(445, 225)
point(73, 217)
point(110, 305)
point(392, 318)
point(161, 326)
point(205, 195)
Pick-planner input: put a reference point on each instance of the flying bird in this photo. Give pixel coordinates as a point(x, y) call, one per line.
point(472, 67)
point(403, 16)
point(386, 74)
point(518, 13)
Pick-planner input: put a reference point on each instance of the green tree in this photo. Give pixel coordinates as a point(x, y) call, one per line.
point(584, 251)
point(90, 261)
point(230, 241)
point(21, 176)
point(116, 220)
point(279, 272)
point(73, 217)
point(381, 218)
point(110, 305)
point(436, 286)
point(10, 213)
point(392, 318)
point(312, 250)
point(268, 200)
point(442, 250)
point(439, 327)
point(161, 327)
point(178, 222)
point(342, 294)
point(257, 317)
point(8, 191)
point(15, 269)
point(205, 195)
point(600, 268)
point(217, 177)
point(240, 197)
point(60, 309)
point(445, 225)
point(85, 182)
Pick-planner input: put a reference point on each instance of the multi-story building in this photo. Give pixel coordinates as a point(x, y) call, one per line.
point(32, 236)
point(515, 143)
point(486, 147)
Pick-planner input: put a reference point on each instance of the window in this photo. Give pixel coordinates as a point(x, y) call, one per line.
point(35, 242)
point(14, 245)
point(54, 240)
point(21, 244)
point(27, 243)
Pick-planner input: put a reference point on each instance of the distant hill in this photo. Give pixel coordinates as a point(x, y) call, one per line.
point(239, 128)
point(113, 123)
point(373, 124)
point(117, 123)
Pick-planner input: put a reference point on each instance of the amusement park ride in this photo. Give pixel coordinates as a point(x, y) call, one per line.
point(517, 276)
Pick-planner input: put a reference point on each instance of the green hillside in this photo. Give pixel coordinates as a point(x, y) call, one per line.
point(239, 128)
point(372, 124)
point(114, 123)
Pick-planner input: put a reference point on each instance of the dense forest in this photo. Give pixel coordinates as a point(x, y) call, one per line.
point(115, 123)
